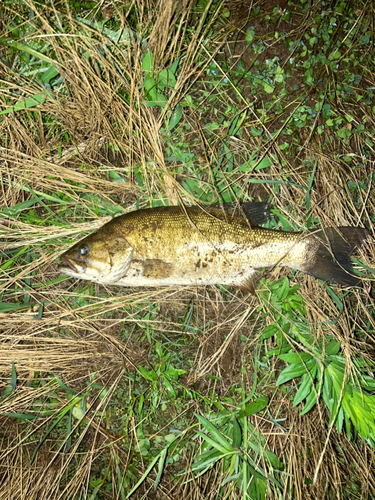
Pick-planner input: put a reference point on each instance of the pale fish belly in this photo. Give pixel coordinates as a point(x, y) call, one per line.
point(136, 277)
point(230, 264)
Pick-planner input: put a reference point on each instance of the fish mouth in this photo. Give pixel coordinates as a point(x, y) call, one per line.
point(68, 263)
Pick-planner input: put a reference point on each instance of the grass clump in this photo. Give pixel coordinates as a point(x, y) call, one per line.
point(209, 393)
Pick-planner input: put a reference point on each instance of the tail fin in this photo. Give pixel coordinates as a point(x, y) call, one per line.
point(330, 251)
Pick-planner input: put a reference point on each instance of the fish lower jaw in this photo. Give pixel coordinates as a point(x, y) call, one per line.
point(81, 276)
point(69, 272)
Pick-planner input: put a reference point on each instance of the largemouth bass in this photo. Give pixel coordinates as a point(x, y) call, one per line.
point(207, 246)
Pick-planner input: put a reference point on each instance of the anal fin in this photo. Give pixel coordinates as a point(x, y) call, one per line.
point(250, 283)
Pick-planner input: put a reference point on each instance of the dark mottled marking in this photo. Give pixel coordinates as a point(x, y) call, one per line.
point(129, 228)
point(204, 264)
point(198, 264)
point(156, 269)
point(116, 245)
point(258, 244)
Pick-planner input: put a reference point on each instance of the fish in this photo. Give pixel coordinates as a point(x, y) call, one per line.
point(211, 245)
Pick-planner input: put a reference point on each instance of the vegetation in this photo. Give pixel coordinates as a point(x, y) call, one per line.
point(110, 393)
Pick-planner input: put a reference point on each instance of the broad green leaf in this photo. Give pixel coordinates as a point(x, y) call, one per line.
point(174, 66)
point(273, 459)
point(157, 100)
point(206, 460)
point(367, 382)
point(30, 102)
point(148, 375)
point(291, 371)
point(310, 402)
point(282, 290)
point(175, 117)
point(340, 420)
point(250, 34)
point(332, 348)
point(268, 88)
point(148, 62)
point(295, 357)
point(237, 434)
point(265, 163)
point(336, 54)
point(161, 464)
point(22, 416)
point(304, 389)
point(19, 207)
point(150, 86)
point(169, 388)
point(215, 444)
point(269, 331)
point(255, 407)
point(166, 79)
point(327, 388)
point(78, 412)
point(25, 48)
point(174, 372)
point(49, 74)
point(215, 433)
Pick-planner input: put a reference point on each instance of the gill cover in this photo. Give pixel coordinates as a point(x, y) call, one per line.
point(120, 257)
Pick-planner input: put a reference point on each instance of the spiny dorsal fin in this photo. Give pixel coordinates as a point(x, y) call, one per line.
point(257, 212)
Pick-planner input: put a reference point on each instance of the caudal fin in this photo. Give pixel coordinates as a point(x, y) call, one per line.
point(329, 254)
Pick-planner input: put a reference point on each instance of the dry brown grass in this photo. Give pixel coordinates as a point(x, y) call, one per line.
point(92, 131)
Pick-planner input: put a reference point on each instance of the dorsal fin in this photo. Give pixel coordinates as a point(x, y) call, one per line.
point(257, 212)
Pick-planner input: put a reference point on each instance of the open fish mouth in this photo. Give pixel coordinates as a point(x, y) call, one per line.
point(68, 263)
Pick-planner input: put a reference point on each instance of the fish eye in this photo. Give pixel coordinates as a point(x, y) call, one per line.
point(84, 250)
